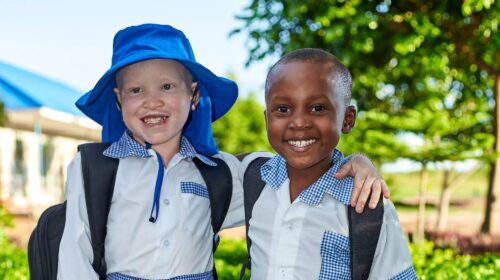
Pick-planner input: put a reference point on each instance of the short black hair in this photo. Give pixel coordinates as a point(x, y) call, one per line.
point(343, 76)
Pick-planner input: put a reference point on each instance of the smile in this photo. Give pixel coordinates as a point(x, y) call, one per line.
point(301, 143)
point(154, 120)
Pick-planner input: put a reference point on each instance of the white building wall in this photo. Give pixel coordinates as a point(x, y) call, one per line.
point(41, 191)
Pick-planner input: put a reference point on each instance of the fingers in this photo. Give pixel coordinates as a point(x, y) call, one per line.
point(358, 184)
point(385, 190)
point(344, 170)
point(375, 196)
point(366, 189)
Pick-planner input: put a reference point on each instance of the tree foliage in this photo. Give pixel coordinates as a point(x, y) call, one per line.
point(243, 128)
point(418, 67)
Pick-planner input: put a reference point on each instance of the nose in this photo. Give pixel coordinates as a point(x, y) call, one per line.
point(153, 100)
point(300, 120)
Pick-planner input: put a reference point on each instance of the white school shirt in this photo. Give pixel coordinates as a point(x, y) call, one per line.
point(178, 245)
point(309, 238)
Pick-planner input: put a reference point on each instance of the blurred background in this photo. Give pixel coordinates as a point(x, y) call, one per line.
point(426, 85)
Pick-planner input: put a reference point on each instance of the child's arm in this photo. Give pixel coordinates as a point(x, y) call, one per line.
point(366, 180)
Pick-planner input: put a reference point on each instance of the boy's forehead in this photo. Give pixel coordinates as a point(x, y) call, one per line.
point(288, 72)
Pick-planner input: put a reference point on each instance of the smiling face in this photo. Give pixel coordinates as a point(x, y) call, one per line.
point(305, 113)
point(155, 97)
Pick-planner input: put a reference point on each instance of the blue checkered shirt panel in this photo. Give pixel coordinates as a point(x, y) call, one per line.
point(199, 276)
point(334, 251)
point(194, 188)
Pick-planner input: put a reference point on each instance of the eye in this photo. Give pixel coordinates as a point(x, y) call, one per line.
point(167, 86)
point(318, 108)
point(282, 109)
point(135, 90)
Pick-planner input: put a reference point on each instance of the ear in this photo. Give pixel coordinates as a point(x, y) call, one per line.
point(265, 118)
point(118, 98)
point(196, 94)
point(349, 119)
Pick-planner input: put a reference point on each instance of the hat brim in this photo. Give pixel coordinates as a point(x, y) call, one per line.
point(217, 95)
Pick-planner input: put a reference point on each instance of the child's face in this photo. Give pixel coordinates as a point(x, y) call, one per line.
point(304, 115)
point(155, 97)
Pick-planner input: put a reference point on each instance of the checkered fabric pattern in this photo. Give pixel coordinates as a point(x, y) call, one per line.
point(199, 276)
point(408, 273)
point(128, 147)
point(194, 188)
point(274, 173)
point(335, 257)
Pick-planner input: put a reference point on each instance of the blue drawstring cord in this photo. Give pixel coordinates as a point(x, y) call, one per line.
point(159, 182)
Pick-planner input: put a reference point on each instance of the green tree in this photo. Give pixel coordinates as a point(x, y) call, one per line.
point(243, 128)
point(431, 69)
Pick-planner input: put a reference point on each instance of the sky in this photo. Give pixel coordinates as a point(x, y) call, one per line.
point(71, 41)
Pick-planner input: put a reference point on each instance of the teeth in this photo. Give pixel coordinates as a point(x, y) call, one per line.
point(154, 120)
point(301, 143)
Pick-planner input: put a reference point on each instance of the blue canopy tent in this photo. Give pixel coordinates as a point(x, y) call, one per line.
point(34, 102)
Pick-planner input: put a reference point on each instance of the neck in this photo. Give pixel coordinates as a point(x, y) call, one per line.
point(168, 149)
point(302, 178)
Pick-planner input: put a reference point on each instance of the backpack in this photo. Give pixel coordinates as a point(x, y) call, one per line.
point(364, 228)
point(99, 174)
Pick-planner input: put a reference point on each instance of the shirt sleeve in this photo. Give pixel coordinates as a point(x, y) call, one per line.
point(75, 251)
point(235, 215)
point(392, 258)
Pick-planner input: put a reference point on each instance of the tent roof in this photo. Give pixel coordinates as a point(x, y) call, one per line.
point(21, 89)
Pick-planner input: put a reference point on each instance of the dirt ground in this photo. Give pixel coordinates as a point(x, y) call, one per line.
point(463, 221)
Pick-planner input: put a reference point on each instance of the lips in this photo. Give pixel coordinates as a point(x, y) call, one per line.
point(301, 143)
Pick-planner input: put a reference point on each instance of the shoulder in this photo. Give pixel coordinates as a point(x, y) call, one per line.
point(251, 157)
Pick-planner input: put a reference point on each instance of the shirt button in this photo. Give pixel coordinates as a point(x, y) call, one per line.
point(166, 243)
point(290, 226)
point(166, 201)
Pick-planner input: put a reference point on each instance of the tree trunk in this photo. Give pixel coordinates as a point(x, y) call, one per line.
point(444, 202)
point(448, 187)
point(422, 200)
point(492, 202)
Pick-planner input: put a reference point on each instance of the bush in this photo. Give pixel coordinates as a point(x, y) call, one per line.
point(13, 261)
point(434, 263)
point(229, 258)
point(429, 262)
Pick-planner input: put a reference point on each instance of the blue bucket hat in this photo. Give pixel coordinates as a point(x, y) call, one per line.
point(153, 41)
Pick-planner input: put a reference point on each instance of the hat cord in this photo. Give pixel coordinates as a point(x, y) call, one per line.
point(159, 181)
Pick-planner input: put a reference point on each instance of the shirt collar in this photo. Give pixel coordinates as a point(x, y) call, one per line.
point(274, 173)
point(128, 147)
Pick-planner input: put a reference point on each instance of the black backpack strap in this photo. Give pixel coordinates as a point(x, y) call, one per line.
point(364, 232)
point(99, 174)
point(252, 188)
point(219, 183)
